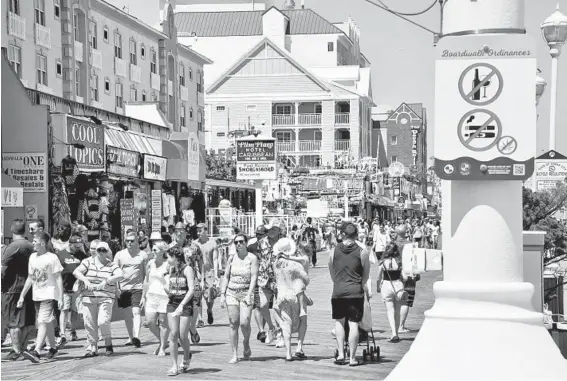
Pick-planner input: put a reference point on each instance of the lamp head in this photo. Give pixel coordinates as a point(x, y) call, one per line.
point(554, 30)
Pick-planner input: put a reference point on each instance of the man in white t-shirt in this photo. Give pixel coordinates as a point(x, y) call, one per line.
point(44, 278)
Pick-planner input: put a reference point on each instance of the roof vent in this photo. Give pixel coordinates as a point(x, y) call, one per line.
point(289, 4)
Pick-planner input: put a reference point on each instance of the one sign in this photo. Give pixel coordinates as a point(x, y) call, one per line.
point(29, 169)
point(122, 162)
point(485, 112)
point(155, 167)
point(12, 197)
point(90, 135)
point(256, 159)
point(396, 169)
point(156, 210)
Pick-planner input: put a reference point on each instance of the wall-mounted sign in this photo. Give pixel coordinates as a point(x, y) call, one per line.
point(414, 134)
point(122, 162)
point(549, 172)
point(127, 215)
point(91, 158)
point(29, 169)
point(30, 212)
point(193, 157)
point(256, 159)
point(156, 210)
point(155, 167)
point(12, 197)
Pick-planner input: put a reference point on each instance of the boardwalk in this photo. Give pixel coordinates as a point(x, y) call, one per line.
point(210, 360)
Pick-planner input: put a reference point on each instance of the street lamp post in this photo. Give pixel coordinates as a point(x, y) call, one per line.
point(554, 31)
point(540, 86)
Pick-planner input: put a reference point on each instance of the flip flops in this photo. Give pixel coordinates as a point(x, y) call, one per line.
point(356, 362)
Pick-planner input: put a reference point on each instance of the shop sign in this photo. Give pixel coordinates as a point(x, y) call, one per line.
point(193, 157)
point(127, 215)
point(155, 167)
point(12, 197)
point(414, 133)
point(256, 159)
point(90, 135)
point(156, 210)
point(29, 169)
point(122, 162)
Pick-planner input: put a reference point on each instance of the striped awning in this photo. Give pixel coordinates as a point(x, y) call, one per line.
point(129, 141)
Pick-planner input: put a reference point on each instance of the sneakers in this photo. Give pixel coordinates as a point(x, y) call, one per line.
point(74, 336)
point(52, 352)
point(200, 324)
point(62, 342)
point(12, 356)
point(32, 355)
point(261, 337)
point(109, 350)
point(210, 318)
point(90, 353)
point(136, 342)
point(270, 337)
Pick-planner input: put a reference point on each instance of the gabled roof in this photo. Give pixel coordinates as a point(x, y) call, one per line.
point(553, 155)
point(274, 7)
point(404, 108)
point(251, 52)
point(249, 23)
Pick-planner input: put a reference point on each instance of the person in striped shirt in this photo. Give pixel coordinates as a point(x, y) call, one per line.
point(99, 277)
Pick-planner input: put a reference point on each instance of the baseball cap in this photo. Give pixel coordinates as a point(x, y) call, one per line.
point(202, 225)
point(155, 236)
point(179, 226)
point(261, 230)
point(103, 245)
point(75, 239)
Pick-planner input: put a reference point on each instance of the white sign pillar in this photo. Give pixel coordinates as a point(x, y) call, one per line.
point(482, 325)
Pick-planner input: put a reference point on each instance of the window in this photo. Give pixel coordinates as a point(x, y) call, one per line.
point(143, 51)
point(330, 46)
point(143, 95)
point(118, 94)
point(133, 53)
point(318, 109)
point(220, 134)
point(394, 159)
point(41, 64)
point(105, 34)
point(283, 110)
point(190, 74)
point(15, 58)
point(77, 81)
point(199, 121)
point(191, 113)
point(182, 116)
point(107, 85)
point(40, 12)
point(154, 98)
point(15, 7)
point(117, 45)
point(58, 68)
point(199, 85)
point(133, 95)
point(76, 26)
point(220, 108)
point(153, 63)
point(394, 140)
point(181, 75)
point(94, 88)
point(57, 8)
point(283, 136)
point(250, 108)
point(93, 35)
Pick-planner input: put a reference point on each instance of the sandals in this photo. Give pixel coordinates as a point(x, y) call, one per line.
point(300, 356)
point(195, 338)
point(247, 354)
point(356, 363)
point(394, 339)
point(340, 362)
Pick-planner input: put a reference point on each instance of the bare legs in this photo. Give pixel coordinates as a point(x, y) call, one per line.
point(133, 321)
point(239, 317)
point(352, 339)
point(393, 312)
point(161, 332)
point(179, 326)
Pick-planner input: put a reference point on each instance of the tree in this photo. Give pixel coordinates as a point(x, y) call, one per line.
point(220, 167)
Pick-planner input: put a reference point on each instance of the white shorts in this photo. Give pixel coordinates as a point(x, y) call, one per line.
point(156, 303)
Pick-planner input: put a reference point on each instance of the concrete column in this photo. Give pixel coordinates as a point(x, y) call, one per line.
point(328, 133)
point(296, 113)
point(354, 130)
point(483, 325)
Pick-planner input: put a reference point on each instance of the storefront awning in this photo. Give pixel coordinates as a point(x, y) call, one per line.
point(382, 201)
point(12, 192)
point(174, 150)
point(129, 141)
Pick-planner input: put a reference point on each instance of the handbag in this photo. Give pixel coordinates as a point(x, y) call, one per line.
point(366, 322)
point(402, 294)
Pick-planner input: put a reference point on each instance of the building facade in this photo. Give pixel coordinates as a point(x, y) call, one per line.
point(287, 73)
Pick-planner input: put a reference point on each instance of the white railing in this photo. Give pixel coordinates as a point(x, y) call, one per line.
point(310, 119)
point(17, 26)
point(43, 36)
point(170, 87)
point(44, 89)
point(120, 67)
point(286, 146)
point(200, 99)
point(342, 118)
point(97, 59)
point(97, 104)
point(309, 145)
point(342, 145)
point(283, 120)
point(184, 93)
point(79, 99)
point(154, 79)
point(78, 51)
point(135, 73)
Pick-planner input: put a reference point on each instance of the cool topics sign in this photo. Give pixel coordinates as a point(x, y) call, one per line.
point(90, 135)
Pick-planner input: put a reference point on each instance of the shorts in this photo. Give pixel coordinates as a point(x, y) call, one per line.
point(174, 303)
point(211, 291)
point(237, 298)
point(156, 304)
point(351, 309)
point(45, 311)
point(266, 293)
point(18, 317)
point(393, 291)
point(130, 298)
point(69, 301)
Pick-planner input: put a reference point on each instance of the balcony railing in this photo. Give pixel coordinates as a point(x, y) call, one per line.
point(97, 104)
point(184, 93)
point(342, 145)
point(342, 118)
point(309, 145)
point(17, 26)
point(96, 59)
point(310, 119)
point(43, 36)
point(283, 120)
point(135, 73)
point(120, 67)
point(44, 89)
point(170, 87)
point(154, 79)
point(79, 99)
point(78, 51)
point(287, 146)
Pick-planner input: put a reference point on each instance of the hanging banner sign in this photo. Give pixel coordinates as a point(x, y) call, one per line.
point(414, 134)
point(29, 169)
point(155, 167)
point(122, 162)
point(127, 216)
point(156, 210)
point(90, 135)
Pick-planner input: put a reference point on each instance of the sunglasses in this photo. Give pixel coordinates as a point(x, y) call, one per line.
point(129, 241)
point(101, 250)
point(239, 242)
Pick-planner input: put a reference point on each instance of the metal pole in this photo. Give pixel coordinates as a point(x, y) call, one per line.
point(555, 51)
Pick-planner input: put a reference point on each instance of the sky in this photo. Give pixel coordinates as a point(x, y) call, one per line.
point(402, 55)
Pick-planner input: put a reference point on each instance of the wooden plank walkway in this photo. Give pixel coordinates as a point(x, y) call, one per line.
point(210, 359)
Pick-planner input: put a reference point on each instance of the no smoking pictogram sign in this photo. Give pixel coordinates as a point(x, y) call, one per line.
point(479, 130)
point(481, 84)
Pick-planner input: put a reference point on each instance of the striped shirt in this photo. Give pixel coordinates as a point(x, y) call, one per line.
point(97, 275)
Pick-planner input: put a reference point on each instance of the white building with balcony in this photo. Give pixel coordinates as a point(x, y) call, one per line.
point(288, 73)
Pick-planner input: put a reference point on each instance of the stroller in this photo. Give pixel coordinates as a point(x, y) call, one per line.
point(372, 352)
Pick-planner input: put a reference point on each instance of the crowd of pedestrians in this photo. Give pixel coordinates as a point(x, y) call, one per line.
point(48, 283)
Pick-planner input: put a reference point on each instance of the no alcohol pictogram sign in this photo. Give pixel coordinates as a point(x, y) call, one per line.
point(479, 130)
point(481, 84)
point(507, 145)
